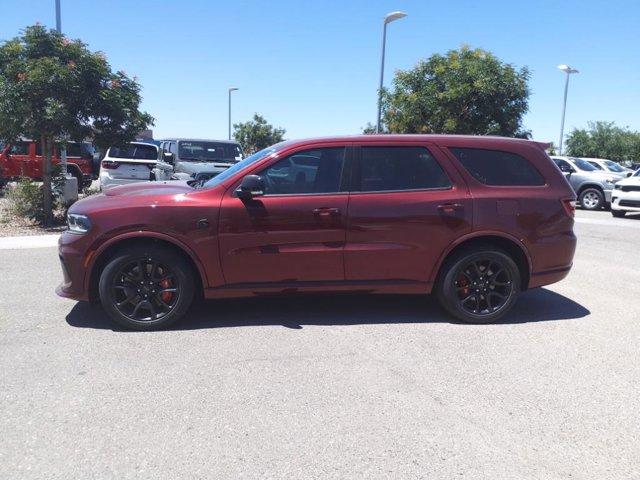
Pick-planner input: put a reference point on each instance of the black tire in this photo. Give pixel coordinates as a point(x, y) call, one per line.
point(618, 213)
point(591, 199)
point(114, 285)
point(498, 265)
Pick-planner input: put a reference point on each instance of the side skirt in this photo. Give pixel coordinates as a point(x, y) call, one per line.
point(345, 286)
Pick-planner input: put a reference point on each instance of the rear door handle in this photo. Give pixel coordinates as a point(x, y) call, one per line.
point(326, 212)
point(449, 208)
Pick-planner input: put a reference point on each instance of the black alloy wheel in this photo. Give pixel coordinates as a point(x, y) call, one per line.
point(146, 288)
point(478, 285)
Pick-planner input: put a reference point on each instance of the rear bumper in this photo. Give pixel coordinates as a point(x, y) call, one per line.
point(548, 277)
point(607, 196)
point(552, 258)
point(107, 182)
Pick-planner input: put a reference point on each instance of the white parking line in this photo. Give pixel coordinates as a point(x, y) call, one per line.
point(28, 241)
point(611, 222)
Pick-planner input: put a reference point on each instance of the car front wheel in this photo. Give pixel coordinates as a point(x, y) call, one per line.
point(591, 199)
point(146, 288)
point(479, 285)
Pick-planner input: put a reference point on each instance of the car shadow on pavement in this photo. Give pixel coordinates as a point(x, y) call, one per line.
point(536, 305)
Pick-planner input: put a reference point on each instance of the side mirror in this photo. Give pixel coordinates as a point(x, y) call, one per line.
point(566, 169)
point(251, 186)
point(629, 174)
point(168, 157)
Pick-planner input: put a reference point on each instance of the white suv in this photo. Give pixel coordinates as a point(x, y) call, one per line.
point(130, 163)
point(626, 196)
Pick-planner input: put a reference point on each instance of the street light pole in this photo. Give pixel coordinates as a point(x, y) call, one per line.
point(568, 70)
point(63, 150)
point(231, 89)
point(390, 17)
point(58, 20)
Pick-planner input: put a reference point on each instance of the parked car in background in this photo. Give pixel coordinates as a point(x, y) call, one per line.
point(610, 166)
point(187, 158)
point(24, 159)
point(474, 220)
point(626, 196)
point(592, 186)
point(129, 163)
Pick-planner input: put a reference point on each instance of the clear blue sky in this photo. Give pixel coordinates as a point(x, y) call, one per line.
point(312, 67)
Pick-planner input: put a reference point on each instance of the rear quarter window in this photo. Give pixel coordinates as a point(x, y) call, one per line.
point(498, 168)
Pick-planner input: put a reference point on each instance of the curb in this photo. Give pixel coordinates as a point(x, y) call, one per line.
point(29, 241)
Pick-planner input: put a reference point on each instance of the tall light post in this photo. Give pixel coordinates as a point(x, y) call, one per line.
point(389, 17)
point(231, 89)
point(568, 70)
point(63, 150)
point(58, 20)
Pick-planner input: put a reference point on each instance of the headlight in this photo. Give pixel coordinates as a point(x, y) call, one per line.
point(78, 223)
point(610, 180)
point(617, 187)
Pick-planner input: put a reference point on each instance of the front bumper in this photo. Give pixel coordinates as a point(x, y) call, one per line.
point(71, 248)
point(626, 201)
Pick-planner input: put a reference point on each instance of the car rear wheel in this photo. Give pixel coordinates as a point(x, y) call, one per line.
point(479, 285)
point(591, 199)
point(146, 288)
point(618, 213)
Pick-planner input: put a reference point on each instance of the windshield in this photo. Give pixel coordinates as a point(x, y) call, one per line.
point(583, 165)
point(208, 151)
point(613, 166)
point(229, 172)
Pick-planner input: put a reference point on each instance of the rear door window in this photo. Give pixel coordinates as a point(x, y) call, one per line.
point(398, 168)
point(498, 168)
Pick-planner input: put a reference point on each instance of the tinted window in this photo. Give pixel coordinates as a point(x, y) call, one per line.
point(613, 166)
point(312, 171)
point(399, 168)
point(493, 167)
point(208, 151)
point(596, 165)
point(582, 165)
point(563, 165)
point(20, 148)
point(138, 152)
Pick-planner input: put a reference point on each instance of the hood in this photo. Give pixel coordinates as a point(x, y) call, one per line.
point(149, 188)
point(143, 193)
point(604, 175)
point(630, 181)
point(192, 167)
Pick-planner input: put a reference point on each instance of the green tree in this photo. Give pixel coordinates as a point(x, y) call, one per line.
point(604, 140)
point(256, 134)
point(466, 91)
point(52, 88)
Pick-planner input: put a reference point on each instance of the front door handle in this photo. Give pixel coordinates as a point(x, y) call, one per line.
point(326, 212)
point(450, 208)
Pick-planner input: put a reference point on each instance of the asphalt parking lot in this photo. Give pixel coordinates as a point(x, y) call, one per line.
point(342, 387)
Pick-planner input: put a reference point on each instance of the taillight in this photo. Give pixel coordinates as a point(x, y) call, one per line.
point(110, 165)
point(569, 206)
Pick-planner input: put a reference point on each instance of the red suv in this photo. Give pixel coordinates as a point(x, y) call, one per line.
point(24, 159)
point(474, 220)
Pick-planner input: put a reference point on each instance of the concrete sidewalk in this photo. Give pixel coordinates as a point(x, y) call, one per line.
point(29, 241)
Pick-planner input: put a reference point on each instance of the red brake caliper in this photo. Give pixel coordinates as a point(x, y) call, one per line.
point(166, 296)
point(462, 281)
